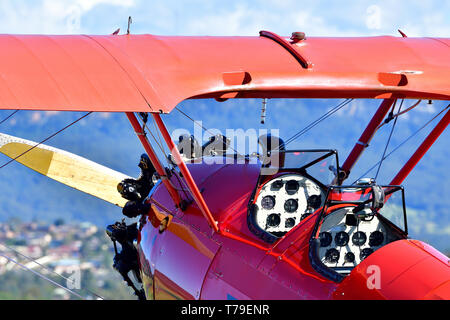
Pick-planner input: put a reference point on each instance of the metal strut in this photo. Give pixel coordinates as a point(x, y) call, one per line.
point(186, 173)
point(423, 148)
point(153, 158)
point(366, 136)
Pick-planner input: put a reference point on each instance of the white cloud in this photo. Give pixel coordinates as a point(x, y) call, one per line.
point(216, 18)
point(35, 117)
point(49, 16)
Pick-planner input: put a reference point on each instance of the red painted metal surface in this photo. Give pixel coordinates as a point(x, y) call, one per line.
point(154, 159)
point(366, 136)
point(243, 265)
point(152, 73)
point(407, 269)
point(235, 264)
point(195, 192)
point(423, 148)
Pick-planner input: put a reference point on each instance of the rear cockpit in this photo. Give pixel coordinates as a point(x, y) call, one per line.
point(354, 222)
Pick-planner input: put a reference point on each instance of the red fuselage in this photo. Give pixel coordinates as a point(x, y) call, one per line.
point(191, 261)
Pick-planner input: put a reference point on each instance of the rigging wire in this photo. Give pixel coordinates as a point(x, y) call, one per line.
point(204, 128)
point(12, 260)
point(47, 268)
point(9, 116)
point(42, 276)
point(390, 136)
point(398, 114)
point(317, 121)
point(401, 144)
point(48, 138)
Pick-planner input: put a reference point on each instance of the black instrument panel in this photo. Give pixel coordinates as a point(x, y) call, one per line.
point(343, 245)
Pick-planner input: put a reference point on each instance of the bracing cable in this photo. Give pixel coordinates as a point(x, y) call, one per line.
point(389, 139)
point(9, 116)
point(203, 127)
point(42, 276)
point(317, 121)
point(48, 138)
point(46, 268)
point(401, 144)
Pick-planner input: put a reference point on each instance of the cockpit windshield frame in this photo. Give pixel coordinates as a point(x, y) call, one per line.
point(391, 190)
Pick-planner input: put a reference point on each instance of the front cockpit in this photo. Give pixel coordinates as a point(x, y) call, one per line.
point(291, 186)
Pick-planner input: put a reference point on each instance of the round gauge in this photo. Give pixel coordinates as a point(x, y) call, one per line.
point(359, 238)
point(277, 185)
point(291, 205)
point(341, 239)
point(268, 202)
point(289, 223)
point(349, 257)
point(292, 187)
point(332, 256)
point(325, 239)
point(365, 253)
point(273, 220)
point(376, 238)
point(303, 216)
point(314, 201)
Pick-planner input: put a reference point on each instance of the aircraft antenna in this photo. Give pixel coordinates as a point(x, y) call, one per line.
point(263, 110)
point(130, 21)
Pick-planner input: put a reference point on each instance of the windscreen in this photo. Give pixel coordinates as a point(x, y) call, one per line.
point(320, 164)
point(393, 207)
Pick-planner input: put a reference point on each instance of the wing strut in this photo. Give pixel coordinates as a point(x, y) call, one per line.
point(185, 172)
point(366, 136)
point(153, 158)
point(423, 148)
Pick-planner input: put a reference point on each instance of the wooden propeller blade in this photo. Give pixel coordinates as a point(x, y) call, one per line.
point(65, 167)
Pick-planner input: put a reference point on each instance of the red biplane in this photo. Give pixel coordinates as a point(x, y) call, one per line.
point(279, 224)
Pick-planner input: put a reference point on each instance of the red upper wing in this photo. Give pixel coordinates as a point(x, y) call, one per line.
point(155, 73)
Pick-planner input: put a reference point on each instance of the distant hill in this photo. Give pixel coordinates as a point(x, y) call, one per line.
point(107, 138)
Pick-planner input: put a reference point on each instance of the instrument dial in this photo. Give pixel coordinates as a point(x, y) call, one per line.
point(273, 220)
point(325, 239)
point(292, 187)
point(314, 201)
point(359, 238)
point(365, 253)
point(349, 257)
point(268, 202)
point(289, 223)
point(291, 205)
point(376, 238)
point(277, 185)
point(341, 239)
point(332, 256)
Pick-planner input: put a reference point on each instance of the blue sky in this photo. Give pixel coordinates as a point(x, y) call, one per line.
point(227, 18)
point(197, 17)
